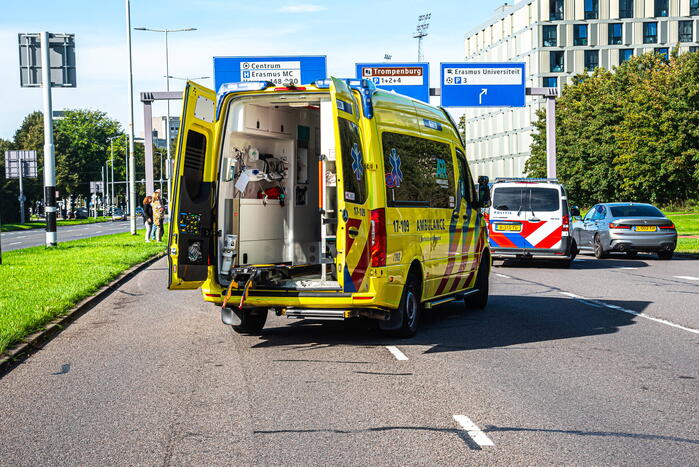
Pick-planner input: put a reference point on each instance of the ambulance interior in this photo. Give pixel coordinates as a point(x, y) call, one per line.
point(277, 199)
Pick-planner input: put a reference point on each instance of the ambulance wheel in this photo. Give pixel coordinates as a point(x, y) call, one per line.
point(479, 300)
point(252, 321)
point(409, 308)
point(599, 249)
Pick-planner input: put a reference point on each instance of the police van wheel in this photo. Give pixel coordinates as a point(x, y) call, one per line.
point(409, 309)
point(479, 300)
point(252, 321)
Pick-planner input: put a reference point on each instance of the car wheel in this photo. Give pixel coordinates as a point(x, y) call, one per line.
point(479, 300)
point(599, 249)
point(631, 254)
point(410, 308)
point(665, 255)
point(252, 321)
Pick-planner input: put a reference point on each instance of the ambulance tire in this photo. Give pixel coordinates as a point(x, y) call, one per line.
point(252, 321)
point(409, 308)
point(479, 300)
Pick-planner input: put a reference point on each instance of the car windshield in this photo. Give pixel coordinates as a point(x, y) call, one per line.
point(635, 210)
point(525, 198)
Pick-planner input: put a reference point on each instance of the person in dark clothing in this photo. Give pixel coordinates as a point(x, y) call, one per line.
point(148, 216)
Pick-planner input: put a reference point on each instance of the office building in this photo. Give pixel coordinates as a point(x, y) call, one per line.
point(159, 130)
point(558, 39)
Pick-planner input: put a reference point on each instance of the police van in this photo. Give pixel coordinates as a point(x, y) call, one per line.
point(328, 201)
point(529, 219)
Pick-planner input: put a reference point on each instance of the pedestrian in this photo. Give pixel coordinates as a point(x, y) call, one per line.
point(158, 215)
point(148, 216)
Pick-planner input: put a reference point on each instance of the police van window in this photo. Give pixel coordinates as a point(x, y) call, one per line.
point(465, 185)
point(353, 167)
point(418, 172)
point(526, 199)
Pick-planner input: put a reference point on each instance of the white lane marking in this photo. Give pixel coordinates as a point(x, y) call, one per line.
point(15, 243)
point(396, 353)
point(503, 276)
point(687, 278)
point(99, 231)
point(598, 303)
point(473, 431)
point(22, 236)
point(86, 228)
point(625, 267)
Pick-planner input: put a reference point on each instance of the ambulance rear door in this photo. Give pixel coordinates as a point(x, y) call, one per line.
point(354, 219)
point(190, 245)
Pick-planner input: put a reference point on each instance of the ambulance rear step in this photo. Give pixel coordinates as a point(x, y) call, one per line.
point(326, 315)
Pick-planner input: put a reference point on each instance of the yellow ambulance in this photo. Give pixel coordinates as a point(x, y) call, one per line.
point(329, 201)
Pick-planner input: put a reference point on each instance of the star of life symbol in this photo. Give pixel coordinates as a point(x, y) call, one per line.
point(396, 173)
point(357, 163)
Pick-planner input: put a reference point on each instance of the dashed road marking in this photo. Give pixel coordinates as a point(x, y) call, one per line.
point(687, 278)
point(625, 267)
point(503, 276)
point(396, 353)
point(473, 431)
point(15, 243)
point(99, 231)
point(598, 303)
point(22, 236)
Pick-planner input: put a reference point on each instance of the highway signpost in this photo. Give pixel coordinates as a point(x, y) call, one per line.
point(483, 84)
point(293, 70)
point(409, 79)
point(21, 165)
point(48, 60)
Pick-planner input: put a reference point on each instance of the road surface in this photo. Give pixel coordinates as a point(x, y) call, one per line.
point(25, 238)
point(595, 365)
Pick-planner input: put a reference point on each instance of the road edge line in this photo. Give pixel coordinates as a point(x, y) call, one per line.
point(10, 359)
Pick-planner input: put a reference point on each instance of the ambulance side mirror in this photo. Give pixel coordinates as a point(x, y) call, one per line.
point(483, 191)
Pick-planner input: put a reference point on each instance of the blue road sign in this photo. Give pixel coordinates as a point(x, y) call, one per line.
point(409, 79)
point(483, 84)
point(279, 70)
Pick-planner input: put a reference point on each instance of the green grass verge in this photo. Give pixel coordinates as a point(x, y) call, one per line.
point(39, 284)
point(41, 224)
point(687, 245)
point(686, 223)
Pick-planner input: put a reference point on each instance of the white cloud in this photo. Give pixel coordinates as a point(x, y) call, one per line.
point(301, 8)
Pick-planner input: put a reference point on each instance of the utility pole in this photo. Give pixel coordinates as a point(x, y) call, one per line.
point(423, 24)
point(132, 157)
point(49, 155)
point(550, 95)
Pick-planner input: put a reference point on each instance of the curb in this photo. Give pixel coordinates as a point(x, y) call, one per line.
point(34, 342)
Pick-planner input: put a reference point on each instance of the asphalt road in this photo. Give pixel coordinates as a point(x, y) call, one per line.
point(559, 369)
point(25, 238)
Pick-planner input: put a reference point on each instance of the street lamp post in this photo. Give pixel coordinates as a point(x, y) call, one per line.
point(167, 87)
point(132, 156)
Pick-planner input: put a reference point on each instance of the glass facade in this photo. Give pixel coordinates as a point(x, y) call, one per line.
point(661, 8)
point(685, 31)
point(591, 59)
point(550, 82)
point(614, 33)
point(580, 34)
point(625, 8)
point(625, 54)
point(550, 35)
point(650, 33)
point(591, 9)
point(556, 59)
point(694, 7)
point(555, 10)
point(663, 51)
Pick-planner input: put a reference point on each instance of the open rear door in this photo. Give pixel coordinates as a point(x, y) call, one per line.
point(191, 227)
point(354, 250)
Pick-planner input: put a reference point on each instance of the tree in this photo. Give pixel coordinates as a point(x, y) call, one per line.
point(631, 133)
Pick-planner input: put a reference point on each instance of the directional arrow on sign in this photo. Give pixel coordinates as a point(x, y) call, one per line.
point(480, 97)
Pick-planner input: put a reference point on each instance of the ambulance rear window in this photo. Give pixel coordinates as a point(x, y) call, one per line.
point(353, 166)
point(526, 199)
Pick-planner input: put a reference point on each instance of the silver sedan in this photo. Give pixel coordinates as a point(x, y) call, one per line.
point(626, 228)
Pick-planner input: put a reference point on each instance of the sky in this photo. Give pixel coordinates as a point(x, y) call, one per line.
point(346, 32)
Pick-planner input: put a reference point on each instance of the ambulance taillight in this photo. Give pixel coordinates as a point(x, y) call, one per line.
point(377, 237)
